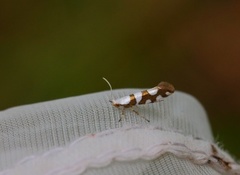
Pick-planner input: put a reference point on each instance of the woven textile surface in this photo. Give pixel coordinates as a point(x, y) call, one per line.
point(82, 135)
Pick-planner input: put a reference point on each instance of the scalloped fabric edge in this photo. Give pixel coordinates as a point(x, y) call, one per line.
point(124, 144)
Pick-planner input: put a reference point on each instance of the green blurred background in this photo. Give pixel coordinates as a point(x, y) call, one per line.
point(55, 49)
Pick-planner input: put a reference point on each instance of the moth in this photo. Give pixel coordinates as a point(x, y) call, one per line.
point(155, 94)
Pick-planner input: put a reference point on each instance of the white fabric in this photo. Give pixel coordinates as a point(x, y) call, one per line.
point(82, 135)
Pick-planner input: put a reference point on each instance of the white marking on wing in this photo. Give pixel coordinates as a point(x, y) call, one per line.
point(138, 96)
point(123, 101)
point(168, 93)
point(148, 101)
point(152, 91)
point(159, 98)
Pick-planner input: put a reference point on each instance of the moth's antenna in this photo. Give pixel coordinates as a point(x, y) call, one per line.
point(109, 86)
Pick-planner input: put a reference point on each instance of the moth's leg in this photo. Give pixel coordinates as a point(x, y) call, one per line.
point(139, 114)
point(122, 115)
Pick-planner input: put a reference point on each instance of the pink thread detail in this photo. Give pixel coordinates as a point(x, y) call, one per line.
point(218, 160)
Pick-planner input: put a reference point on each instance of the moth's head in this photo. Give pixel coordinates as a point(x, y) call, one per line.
point(166, 88)
point(114, 103)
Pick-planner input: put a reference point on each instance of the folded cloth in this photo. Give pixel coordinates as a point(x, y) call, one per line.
point(82, 135)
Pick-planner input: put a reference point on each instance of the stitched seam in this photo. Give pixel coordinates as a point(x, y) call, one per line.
point(216, 158)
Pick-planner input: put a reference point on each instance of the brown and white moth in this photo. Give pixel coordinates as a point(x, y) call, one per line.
point(155, 94)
